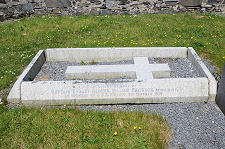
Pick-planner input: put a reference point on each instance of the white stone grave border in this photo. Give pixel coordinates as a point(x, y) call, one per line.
point(193, 56)
point(116, 54)
point(28, 74)
point(113, 54)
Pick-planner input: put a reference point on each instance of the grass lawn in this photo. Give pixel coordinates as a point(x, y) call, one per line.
point(71, 128)
point(68, 128)
point(21, 39)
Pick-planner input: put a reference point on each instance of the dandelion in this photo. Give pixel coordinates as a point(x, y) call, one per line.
point(135, 127)
point(64, 105)
point(115, 133)
point(139, 128)
point(223, 57)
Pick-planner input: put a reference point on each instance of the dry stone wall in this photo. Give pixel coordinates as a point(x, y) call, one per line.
point(19, 8)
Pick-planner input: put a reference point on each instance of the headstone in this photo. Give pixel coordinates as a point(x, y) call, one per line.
point(57, 3)
point(191, 3)
point(141, 69)
point(220, 97)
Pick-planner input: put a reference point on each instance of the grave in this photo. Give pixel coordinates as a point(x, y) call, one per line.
point(117, 76)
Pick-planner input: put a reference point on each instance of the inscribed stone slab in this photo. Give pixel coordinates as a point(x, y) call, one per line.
point(151, 91)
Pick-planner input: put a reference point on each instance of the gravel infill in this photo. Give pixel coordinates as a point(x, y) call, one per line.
point(180, 68)
point(194, 125)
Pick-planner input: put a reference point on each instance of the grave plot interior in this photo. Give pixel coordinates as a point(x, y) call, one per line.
point(114, 76)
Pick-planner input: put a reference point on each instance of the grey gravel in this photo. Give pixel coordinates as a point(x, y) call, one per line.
point(194, 125)
point(180, 68)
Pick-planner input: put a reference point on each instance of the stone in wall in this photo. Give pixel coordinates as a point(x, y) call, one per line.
point(19, 8)
point(58, 3)
point(191, 3)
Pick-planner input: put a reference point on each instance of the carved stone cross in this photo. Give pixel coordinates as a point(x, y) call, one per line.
point(140, 70)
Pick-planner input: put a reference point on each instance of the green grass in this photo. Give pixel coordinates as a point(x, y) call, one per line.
point(21, 39)
point(71, 128)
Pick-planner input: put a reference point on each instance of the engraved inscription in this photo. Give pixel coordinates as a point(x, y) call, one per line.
point(113, 91)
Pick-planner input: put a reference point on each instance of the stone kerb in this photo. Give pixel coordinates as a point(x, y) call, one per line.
point(28, 74)
point(113, 54)
point(193, 56)
point(151, 91)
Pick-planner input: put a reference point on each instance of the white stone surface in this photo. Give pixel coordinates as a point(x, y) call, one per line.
point(14, 94)
point(196, 60)
point(113, 54)
point(151, 91)
point(141, 69)
point(144, 70)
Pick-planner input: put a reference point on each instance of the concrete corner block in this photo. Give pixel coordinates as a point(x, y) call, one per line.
point(212, 89)
point(28, 74)
point(14, 94)
point(193, 56)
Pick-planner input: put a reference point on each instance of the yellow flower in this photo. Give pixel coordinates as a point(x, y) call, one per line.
point(115, 133)
point(139, 128)
point(223, 57)
point(135, 127)
point(64, 105)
